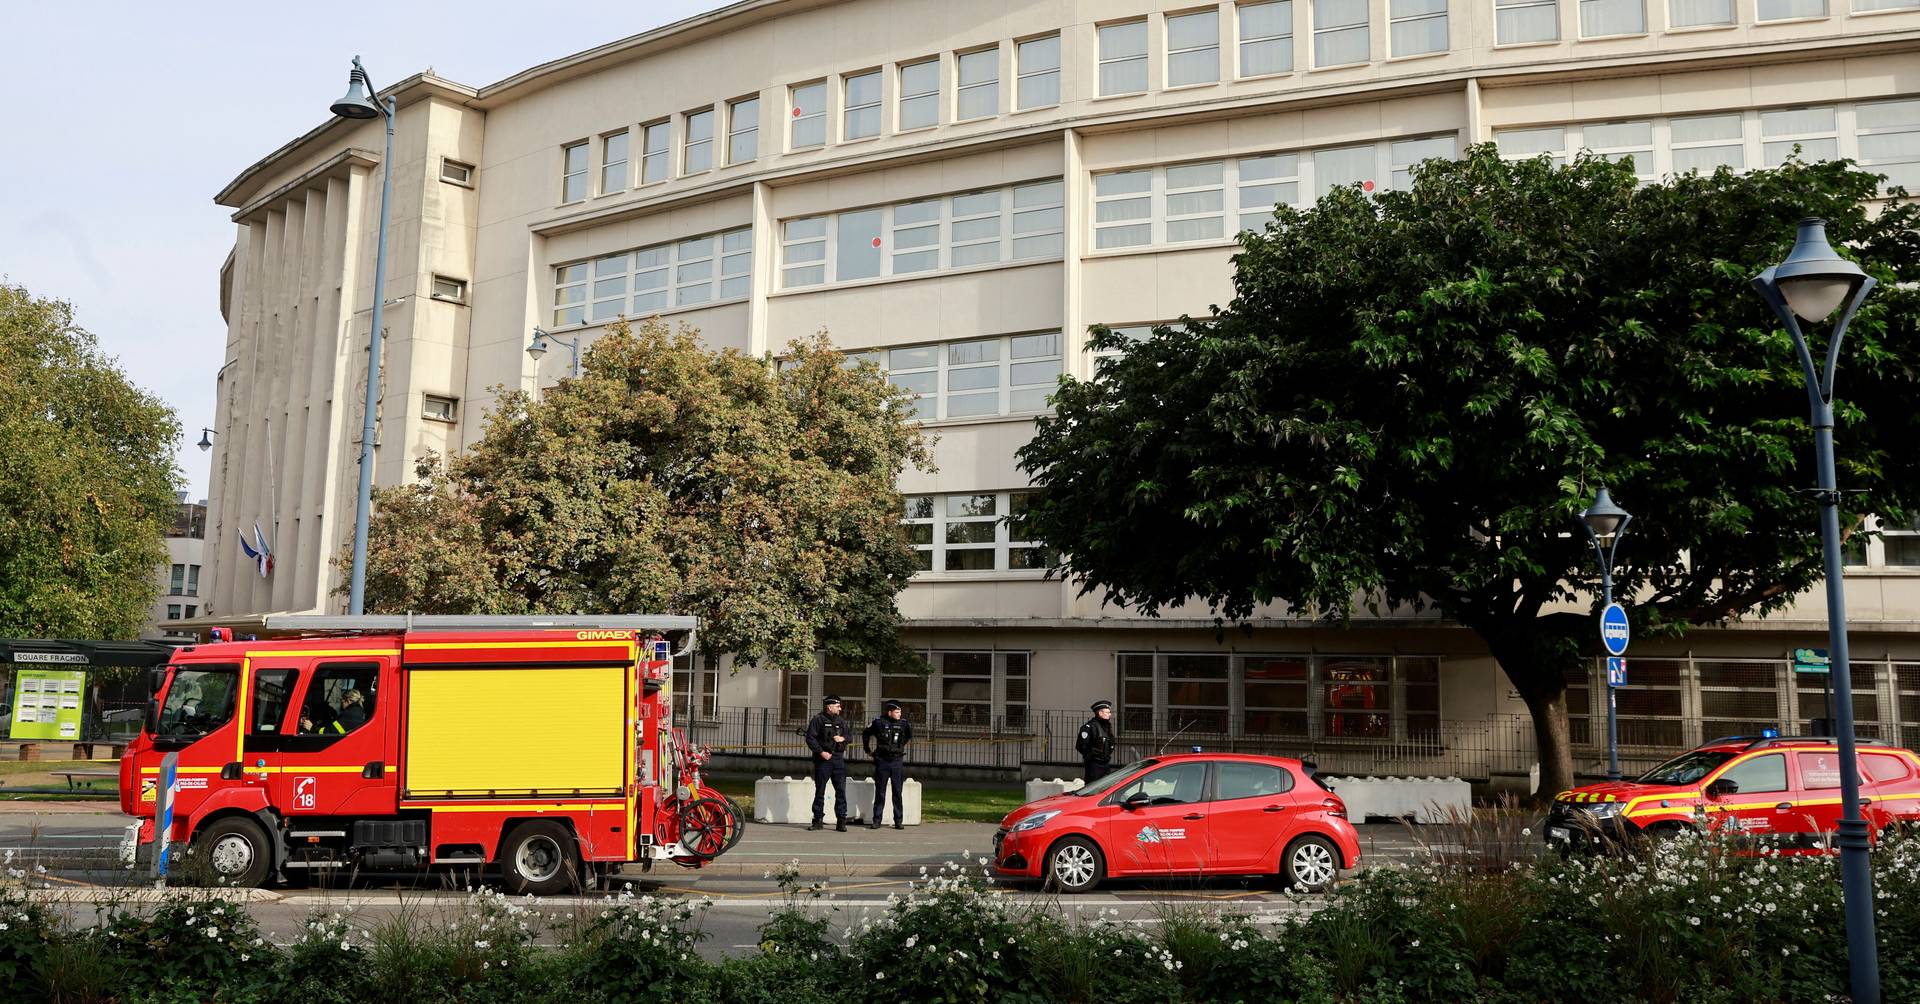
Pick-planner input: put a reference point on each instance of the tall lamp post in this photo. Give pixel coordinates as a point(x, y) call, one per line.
point(1812, 283)
point(538, 347)
point(358, 103)
point(1606, 523)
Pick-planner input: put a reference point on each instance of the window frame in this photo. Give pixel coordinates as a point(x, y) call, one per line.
point(1143, 57)
point(450, 414)
point(1364, 26)
point(568, 176)
point(1826, 11)
point(1242, 39)
point(1022, 74)
point(1007, 239)
point(904, 97)
point(649, 157)
point(1168, 69)
point(466, 172)
point(1526, 5)
point(1147, 705)
point(961, 87)
point(607, 164)
point(1580, 19)
point(934, 511)
point(689, 144)
point(1443, 15)
point(456, 292)
point(735, 131)
point(875, 106)
point(1732, 18)
point(663, 257)
point(797, 118)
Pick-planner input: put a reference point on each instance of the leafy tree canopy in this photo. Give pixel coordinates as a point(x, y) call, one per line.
point(670, 479)
point(86, 480)
point(1412, 396)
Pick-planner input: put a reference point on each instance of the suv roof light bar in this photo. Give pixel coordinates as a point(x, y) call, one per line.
point(1820, 740)
point(683, 627)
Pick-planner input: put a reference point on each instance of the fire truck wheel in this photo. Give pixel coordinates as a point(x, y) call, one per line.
point(236, 850)
point(538, 858)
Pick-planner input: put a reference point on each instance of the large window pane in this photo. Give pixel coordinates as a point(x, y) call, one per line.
point(979, 83)
point(862, 118)
point(809, 116)
point(920, 94)
point(1692, 13)
point(1266, 38)
point(1193, 48)
point(1038, 62)
point(1777, 10)
point(1344, 166)
point(1517, 21)
point(857, 245)
point(1123, 58)
point(699, 152)
point(1600, 18)
point(743, 131)
point(1418, 26)
point(1340, 32)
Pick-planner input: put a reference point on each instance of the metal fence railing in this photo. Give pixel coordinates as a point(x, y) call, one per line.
point(1469, 748)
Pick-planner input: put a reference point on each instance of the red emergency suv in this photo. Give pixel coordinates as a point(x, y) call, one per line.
point(1187, 814)
point(1785, 788)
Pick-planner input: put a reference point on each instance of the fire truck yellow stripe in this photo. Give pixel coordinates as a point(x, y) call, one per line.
point(543, 807)
point(633, 695)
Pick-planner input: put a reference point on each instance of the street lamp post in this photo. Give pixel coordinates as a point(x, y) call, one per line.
point(1812, 283)
point(206, 439)
point(1606, 523)
point(359, 104)
point(538, 347)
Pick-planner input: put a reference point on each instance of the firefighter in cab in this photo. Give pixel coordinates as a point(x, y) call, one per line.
point(886, 742)
point(1095, 744)
point(827, 737)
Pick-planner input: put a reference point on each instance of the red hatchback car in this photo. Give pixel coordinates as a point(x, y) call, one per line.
point(1187, 814)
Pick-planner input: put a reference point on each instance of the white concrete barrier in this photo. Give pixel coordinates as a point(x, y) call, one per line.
point(860, 801)
point(1422, 799)
point(790, 800)
point(1040, 788)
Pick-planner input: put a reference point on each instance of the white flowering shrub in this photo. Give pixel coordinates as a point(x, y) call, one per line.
point(642, 949)
point(947, 939)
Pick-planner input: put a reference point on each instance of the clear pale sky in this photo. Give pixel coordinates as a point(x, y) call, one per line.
point(124, 118)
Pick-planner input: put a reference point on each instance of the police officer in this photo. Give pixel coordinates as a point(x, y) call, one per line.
point(1095, 744)
point(886, 742)
point(827, 738)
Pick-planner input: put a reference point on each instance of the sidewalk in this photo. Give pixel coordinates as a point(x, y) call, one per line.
point(885, 852)
point(29, 806)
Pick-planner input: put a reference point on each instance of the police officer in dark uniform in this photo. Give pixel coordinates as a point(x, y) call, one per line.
point(886, 742)
point(827, 738)
point(1095, 744)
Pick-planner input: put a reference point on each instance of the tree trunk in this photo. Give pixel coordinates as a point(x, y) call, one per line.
point(1544, 689)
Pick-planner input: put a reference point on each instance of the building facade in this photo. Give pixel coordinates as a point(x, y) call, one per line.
point(959, 190)
point(180, 597)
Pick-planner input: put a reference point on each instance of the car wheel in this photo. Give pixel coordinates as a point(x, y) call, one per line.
point(538, 858)
point(1310, 864)
point(235, 849)
point(1074, 865)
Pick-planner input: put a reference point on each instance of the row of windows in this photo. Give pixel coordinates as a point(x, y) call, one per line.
point(1883, 136)
point(965, 689)
point(1212, 200)
point(981, 532)
point(1305, 696)
point(1244, 40)
point(1899, 546)
point(1675, 703)
point(1019, 223)
point(174, 609)
point(710, 269)
point(184, 581)
point(978, 377)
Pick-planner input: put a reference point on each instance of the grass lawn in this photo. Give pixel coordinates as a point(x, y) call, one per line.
point(38, 774)
point(938, 804)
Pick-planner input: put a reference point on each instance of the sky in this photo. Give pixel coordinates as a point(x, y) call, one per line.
point(127, 117)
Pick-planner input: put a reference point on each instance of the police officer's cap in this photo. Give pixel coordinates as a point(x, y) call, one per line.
point(829, 699)
point(890, 705)
point(1097, 705)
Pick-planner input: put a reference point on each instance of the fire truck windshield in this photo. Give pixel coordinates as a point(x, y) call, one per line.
point(199, 700)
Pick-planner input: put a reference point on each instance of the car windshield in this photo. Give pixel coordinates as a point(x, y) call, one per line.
point(1686, 768)
point(1106, 782)
point(198, 701)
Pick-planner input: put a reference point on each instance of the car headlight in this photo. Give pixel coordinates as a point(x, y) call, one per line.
point(1035, 821)
point(1600, 810)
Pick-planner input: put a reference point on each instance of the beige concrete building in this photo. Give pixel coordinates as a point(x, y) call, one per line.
point(180, 590)
point(961, 189)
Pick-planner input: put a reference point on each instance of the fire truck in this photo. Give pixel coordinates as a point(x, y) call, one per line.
point(538, 746)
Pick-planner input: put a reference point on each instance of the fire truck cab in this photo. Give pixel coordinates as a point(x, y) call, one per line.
point(538, 745)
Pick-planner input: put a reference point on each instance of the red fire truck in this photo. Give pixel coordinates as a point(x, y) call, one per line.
point(538, 745)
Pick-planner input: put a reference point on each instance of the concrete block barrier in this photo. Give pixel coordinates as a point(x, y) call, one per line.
point(790, 800)
point(860, 802)
point(1422, 799)
point(1040, 788)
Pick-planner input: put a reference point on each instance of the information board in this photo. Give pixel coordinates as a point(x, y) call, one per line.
point(47, 703)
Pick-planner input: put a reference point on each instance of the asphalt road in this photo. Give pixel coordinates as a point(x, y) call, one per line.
point(71, 853)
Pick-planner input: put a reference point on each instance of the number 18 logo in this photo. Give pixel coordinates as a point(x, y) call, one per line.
point(303, 793)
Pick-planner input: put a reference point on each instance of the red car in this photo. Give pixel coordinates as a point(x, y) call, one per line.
point(1187, 814)
point(1784, 788)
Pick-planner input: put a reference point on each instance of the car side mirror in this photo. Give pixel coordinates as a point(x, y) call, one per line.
point(1136, 800)
point(1723, 788)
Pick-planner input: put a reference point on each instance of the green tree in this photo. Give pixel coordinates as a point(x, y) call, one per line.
point(1411, 396)
point(86, 480)
point(670, 479)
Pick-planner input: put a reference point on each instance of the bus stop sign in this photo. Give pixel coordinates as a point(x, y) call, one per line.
point(1613, 629)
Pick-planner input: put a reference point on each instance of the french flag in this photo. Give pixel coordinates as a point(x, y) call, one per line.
point(258, 550)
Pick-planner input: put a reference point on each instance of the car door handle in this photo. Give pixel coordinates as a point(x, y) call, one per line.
point(1273, 808)
point(1194, 815)
point(1784, 806)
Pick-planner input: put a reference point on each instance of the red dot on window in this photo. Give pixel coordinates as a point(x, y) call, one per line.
point(876, 242)
point(1366, 186)
point(796, 113)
